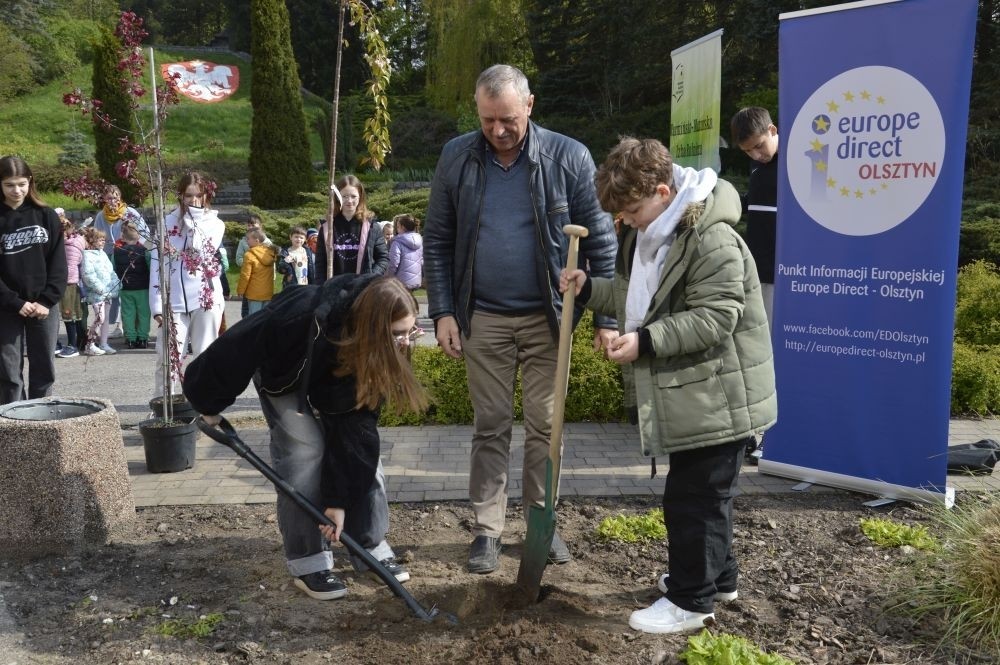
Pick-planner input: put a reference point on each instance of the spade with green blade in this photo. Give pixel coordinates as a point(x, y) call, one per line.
point(542, 521)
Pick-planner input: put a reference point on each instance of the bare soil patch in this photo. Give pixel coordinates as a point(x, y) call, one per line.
point(812, 589)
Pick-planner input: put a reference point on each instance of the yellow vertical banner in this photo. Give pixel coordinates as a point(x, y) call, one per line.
point(694, 102)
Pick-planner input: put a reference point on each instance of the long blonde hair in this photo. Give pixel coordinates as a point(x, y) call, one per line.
point(368, 351)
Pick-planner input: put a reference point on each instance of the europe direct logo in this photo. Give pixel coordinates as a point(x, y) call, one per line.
point(865, 150)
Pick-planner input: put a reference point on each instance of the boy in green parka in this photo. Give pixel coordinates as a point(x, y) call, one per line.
point(695, 351)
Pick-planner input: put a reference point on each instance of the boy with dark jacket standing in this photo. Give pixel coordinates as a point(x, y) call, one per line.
point(757, 136)
point(695, 352)
point(132, 268)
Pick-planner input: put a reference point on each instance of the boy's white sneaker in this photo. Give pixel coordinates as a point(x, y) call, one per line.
point(93, 350)
point(665, 617)
point(720, 596)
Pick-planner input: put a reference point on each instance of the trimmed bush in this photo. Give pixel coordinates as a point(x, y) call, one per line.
point(975, 380)
point(977, 306)
point(975, 374)
point(595, 392)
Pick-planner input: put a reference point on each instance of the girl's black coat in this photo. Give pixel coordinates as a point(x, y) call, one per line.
point(287, 344)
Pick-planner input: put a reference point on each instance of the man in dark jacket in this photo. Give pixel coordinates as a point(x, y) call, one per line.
point(493, 249)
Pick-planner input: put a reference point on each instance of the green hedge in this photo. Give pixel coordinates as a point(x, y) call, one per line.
point(595, 388)
point(975, 380)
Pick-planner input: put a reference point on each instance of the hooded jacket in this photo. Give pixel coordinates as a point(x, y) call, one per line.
point(710, 376)
point(192, 241)
point(32, 256)
point(257, 274)
point(98, 275)
point(561, 179)
point(406, 259)
point(74, 246)
point(289, 344)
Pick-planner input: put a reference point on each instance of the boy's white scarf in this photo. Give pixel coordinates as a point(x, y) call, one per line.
point(652, 244)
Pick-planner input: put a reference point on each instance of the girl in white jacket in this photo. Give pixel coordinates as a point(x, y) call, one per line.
point(102, 284)
point(193, 233)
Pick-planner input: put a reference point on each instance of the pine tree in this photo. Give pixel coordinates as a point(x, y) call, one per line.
point(108, 87)
point(76, 150)
point(279, 150)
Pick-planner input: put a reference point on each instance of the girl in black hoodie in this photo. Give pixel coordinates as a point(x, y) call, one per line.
point(32, 280)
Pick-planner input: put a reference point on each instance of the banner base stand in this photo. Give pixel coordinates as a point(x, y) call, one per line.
point(881, 489)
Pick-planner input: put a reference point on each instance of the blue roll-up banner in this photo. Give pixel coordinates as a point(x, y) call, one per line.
point(873, 100)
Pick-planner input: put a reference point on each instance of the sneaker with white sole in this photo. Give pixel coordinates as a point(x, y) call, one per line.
point(68, 352)
point(321, 585)
point(116, 332)
point(720, 596)
point(108, 350)
point(93, 350)
point(395, 569)
point(665, 617)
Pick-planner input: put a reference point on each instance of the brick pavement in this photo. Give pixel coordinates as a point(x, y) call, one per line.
point(432, 464)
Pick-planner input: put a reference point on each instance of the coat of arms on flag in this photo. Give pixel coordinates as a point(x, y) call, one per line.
point(203, 81)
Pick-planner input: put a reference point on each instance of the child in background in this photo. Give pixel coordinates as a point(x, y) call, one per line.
point(102, 284)
point(757, 136)
point(132, 268)
point(71, 305)
point(406, 253)
point(193, 233)
point(111, 219)
point(694, 334)
point(312, 235)
point(257, 274)
point(253, 222)
point(297, 264)
point(355, 244)
point(388, 232)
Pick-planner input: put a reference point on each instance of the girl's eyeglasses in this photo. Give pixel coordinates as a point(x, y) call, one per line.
point(408, 337)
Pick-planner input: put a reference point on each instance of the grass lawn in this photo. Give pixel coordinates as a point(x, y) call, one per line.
point(215, 136)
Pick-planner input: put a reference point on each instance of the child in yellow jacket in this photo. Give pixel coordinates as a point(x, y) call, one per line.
point(257, 273)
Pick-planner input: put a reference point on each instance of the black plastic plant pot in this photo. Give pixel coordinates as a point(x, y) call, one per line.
point(169, 447)
point(183, 411)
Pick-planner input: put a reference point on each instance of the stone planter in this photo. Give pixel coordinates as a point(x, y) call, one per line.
point(64, 479)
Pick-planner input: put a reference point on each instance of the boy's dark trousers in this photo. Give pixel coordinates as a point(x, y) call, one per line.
point(698, 512)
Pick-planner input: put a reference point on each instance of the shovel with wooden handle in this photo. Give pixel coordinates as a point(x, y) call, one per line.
point(542, 521)
point(227, 436)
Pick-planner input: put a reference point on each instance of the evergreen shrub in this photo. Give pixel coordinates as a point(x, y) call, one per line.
point(280, 166)
point(595, 392)
point(977, 304)
point(975, 380)
point(980, 233)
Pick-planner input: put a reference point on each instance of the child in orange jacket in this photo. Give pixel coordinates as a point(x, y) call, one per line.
point(257, 272)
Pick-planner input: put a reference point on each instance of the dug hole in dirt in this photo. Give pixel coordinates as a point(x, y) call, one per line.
point(812, 589)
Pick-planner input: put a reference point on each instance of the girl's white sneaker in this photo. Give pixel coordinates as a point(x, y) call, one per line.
point(93, 350)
